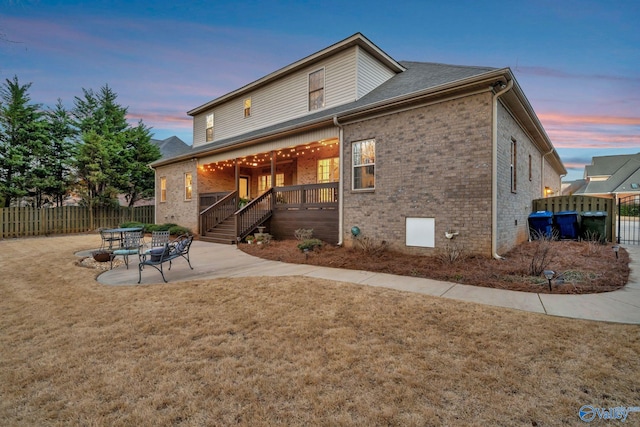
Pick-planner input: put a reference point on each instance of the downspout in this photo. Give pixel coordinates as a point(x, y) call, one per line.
point(542, 173)
point(340, 181)
point(156, 196)
point(494, 172)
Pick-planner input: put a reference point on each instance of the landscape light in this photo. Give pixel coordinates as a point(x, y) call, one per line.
point(616, 249)
point(549, 275)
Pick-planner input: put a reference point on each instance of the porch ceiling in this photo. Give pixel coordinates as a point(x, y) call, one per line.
point(262, 159)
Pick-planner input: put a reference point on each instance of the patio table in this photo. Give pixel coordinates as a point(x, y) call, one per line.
point(111, 235)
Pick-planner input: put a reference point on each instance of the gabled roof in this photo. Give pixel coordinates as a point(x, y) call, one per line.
point(413, 83)
point(355, 40)
point(418, 78)
point(171, 147)
point(622, 172)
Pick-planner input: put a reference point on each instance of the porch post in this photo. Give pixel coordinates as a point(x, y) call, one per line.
point(237, 165)
point(273, 168)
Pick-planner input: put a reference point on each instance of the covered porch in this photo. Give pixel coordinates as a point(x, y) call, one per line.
point(282, 189)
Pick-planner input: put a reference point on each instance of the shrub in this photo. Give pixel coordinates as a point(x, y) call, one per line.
point(309, 244)
point(133, 224)
point(178, 230)
point(450, 253)
point(303, 234)
point(543, 253)
point(370, 246)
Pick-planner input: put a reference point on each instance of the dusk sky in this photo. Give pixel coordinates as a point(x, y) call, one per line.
point(578, 61)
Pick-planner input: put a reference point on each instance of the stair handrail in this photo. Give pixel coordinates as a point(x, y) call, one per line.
point(254, 213)
point(218, 212)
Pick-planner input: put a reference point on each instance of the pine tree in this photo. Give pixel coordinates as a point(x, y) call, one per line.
point(57, 160)
point(111, 156)
point(22, 134)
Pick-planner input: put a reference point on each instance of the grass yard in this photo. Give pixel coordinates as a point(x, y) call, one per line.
point(287, 351)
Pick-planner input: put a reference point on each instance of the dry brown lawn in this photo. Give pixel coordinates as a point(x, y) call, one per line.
point(286, 351)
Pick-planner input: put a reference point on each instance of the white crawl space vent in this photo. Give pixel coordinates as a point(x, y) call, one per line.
point(421, 232)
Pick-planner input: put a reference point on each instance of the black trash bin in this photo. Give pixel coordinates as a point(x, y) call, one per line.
point(566, 223)
point(594, 225)
point(540, 224)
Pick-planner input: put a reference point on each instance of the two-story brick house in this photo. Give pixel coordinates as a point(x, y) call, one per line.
point(407, 152)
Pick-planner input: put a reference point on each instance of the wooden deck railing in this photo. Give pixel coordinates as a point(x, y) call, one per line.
point(308, 196)
point(218, 212)
point(254, 213)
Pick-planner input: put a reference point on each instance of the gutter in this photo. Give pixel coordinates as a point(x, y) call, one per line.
point(494, 172)
point(340, 181)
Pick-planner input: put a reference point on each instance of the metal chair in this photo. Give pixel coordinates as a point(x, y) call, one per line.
point(108, 239)
point(159, 238)
point(131, 244)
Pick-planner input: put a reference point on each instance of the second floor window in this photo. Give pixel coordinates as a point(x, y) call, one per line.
point(247, 107)
point(316, 90)
point(209, 127)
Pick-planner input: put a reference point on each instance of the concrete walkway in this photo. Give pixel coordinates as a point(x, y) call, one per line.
point(212, 261)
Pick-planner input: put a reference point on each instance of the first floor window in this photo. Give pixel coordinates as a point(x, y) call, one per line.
point(364, 164)
point(514, 157)
point(328, 170)
point(163, 189)
point(188, 186)
point(209, 136)
point(264, 182)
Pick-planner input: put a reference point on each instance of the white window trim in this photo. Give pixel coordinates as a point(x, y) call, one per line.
point(207, 127)
point(163, 191)
point(332, 159)
point(324, 89)
point(353, 167)
point(244, 107)
point(186, 187)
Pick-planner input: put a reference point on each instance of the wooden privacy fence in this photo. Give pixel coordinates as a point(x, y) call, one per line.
point(26, 221)
point(581, 204)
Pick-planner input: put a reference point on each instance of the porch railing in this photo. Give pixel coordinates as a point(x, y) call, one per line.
point(254, 213)
point(218, 212)
point(307, 196)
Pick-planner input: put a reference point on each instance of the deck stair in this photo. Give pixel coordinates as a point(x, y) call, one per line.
point(224, 232)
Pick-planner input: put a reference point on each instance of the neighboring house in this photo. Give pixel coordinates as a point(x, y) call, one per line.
point(171, 147)
point(608, 176)
point(348, 139)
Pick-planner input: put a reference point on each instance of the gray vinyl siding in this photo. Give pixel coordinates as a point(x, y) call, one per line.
point(282, 100)
point(371, 73)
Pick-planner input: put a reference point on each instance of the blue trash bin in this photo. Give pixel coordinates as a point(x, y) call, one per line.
point(540, 224)
point(566, 223)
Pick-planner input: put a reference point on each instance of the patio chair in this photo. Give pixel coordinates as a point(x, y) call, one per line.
point(131, 244)
point(158, 239)
point(108, 239)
